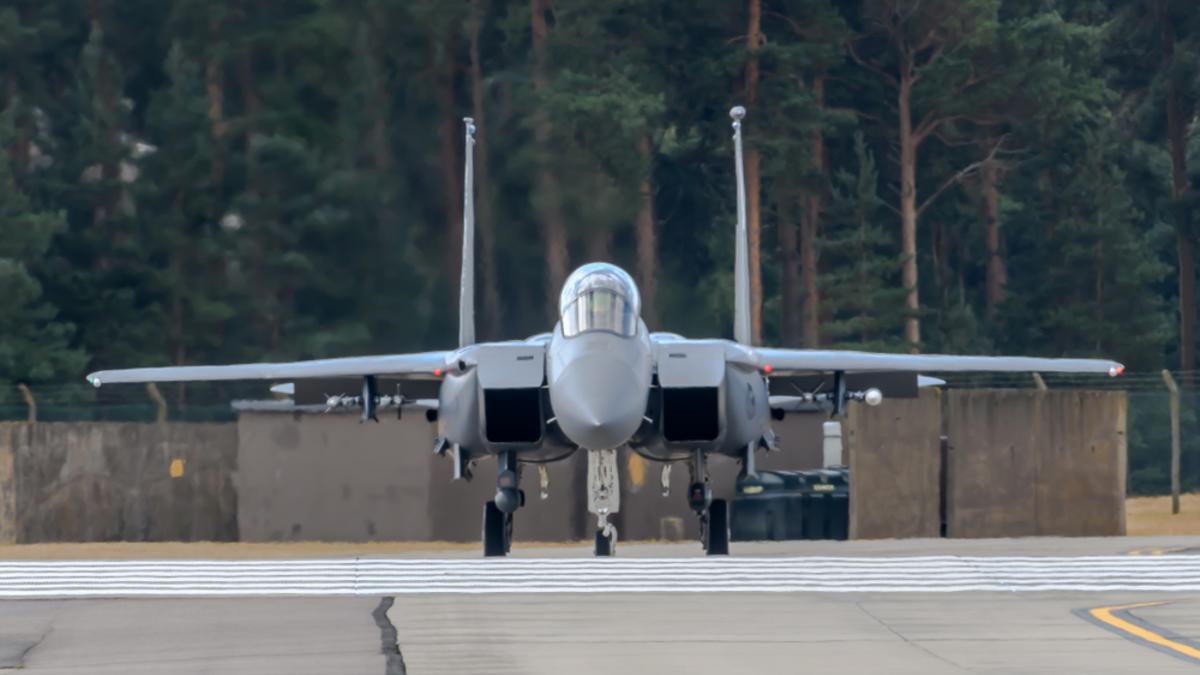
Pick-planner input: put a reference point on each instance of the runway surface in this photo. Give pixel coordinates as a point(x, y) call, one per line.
point(1047, 606)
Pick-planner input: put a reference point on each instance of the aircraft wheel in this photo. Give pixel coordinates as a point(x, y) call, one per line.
point(716, 533)
point(497, 526)
point(508, 531)
point(604, 545)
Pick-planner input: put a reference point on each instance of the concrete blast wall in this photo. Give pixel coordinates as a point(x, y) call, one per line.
point(1024, 463)
point(99, 481)
point(1017, 463)
point(894, 461)
point(328, 477)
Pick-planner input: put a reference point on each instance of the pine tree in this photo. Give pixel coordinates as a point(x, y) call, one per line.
point(928, 56)
point(181, 211)
point(607, 104)
point(36, 344)
point(1154, 48)
point(803, 53)
point(860, 285)
point(1085, 263)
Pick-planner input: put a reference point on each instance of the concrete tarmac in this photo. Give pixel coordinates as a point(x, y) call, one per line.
point(632, 633)
point(777, 633)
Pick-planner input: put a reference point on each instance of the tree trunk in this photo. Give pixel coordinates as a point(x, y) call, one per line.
point(214, 88)
point(646, 234)
point(1176, 137)
point(179, 330)
point(492, 307)
point(597, 245)
point(789, 279)
point(19, 150)
point(1187, 304)
point(939, 249)
point(22, 140)
point(862, 275)
point(104, 107)
point(753, 177)
point(553, 225)
point(1098, 283)
point(997, 271)
point(252, 105)
point(810, 231)
point(809, 227)
point(908, 208)
point(452, 194)
point(380, 135)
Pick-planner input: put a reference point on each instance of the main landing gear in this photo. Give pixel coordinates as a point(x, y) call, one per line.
point(497, 531)
point(713, 513)
point(498, 513)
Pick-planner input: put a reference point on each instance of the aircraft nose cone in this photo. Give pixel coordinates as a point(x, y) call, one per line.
point(598, 403)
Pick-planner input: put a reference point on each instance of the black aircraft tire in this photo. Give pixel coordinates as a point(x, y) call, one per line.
point(718, 528)
point(495, 531)
point(508, 530)
point(604, 545)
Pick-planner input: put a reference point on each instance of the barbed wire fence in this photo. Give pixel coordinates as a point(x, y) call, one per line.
point(1151, 439)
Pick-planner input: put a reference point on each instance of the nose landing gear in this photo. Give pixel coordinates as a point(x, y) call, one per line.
point(604, 497)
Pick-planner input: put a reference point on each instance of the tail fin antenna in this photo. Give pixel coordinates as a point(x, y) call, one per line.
point(466, 286)
point(741, 269)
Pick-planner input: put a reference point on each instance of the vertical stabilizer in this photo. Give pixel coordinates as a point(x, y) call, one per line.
point(466, 285)
point(741, 266)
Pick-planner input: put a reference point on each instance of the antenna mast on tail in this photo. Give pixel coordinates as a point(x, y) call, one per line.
point(466, 285)
point(741, 266)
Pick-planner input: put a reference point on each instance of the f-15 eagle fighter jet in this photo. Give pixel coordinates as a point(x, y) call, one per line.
point(601, 382)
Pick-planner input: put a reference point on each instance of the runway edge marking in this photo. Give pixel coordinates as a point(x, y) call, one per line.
point(1120, 620)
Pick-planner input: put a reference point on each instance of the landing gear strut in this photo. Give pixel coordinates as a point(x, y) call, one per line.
point(713, 513)
point(498, 513)
point(604, 498)
point(497, 531)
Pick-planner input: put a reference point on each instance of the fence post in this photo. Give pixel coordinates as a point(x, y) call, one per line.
point(1174, 389)
point(159, 401)
point(29, 402)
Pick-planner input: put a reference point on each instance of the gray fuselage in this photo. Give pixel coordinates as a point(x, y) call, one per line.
point(603, 388)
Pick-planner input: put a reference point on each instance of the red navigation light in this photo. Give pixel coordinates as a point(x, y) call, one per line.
point(767, 369)
point(437, 372)
point(1116, 370)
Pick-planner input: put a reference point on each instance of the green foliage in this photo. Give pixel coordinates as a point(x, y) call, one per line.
point(863, 284)
point(35, 347)
point(191, 181)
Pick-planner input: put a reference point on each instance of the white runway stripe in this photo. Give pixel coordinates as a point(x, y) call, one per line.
point(381, 576)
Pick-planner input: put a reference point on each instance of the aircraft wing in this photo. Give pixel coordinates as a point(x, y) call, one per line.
point(783, 361)
point(423, 365)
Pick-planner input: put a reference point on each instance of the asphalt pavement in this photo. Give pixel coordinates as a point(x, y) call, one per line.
point(895, 628)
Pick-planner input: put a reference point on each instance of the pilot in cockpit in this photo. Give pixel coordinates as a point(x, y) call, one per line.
point(599, 297)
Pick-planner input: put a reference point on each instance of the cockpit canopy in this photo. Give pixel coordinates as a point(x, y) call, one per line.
point(599, 297)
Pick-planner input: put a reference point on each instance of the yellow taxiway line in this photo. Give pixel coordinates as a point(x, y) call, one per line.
point(1108, 617)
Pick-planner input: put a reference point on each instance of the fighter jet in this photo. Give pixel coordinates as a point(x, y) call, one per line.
point(601, 382)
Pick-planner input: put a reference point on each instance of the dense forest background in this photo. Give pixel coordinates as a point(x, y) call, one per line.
point(193, 181)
